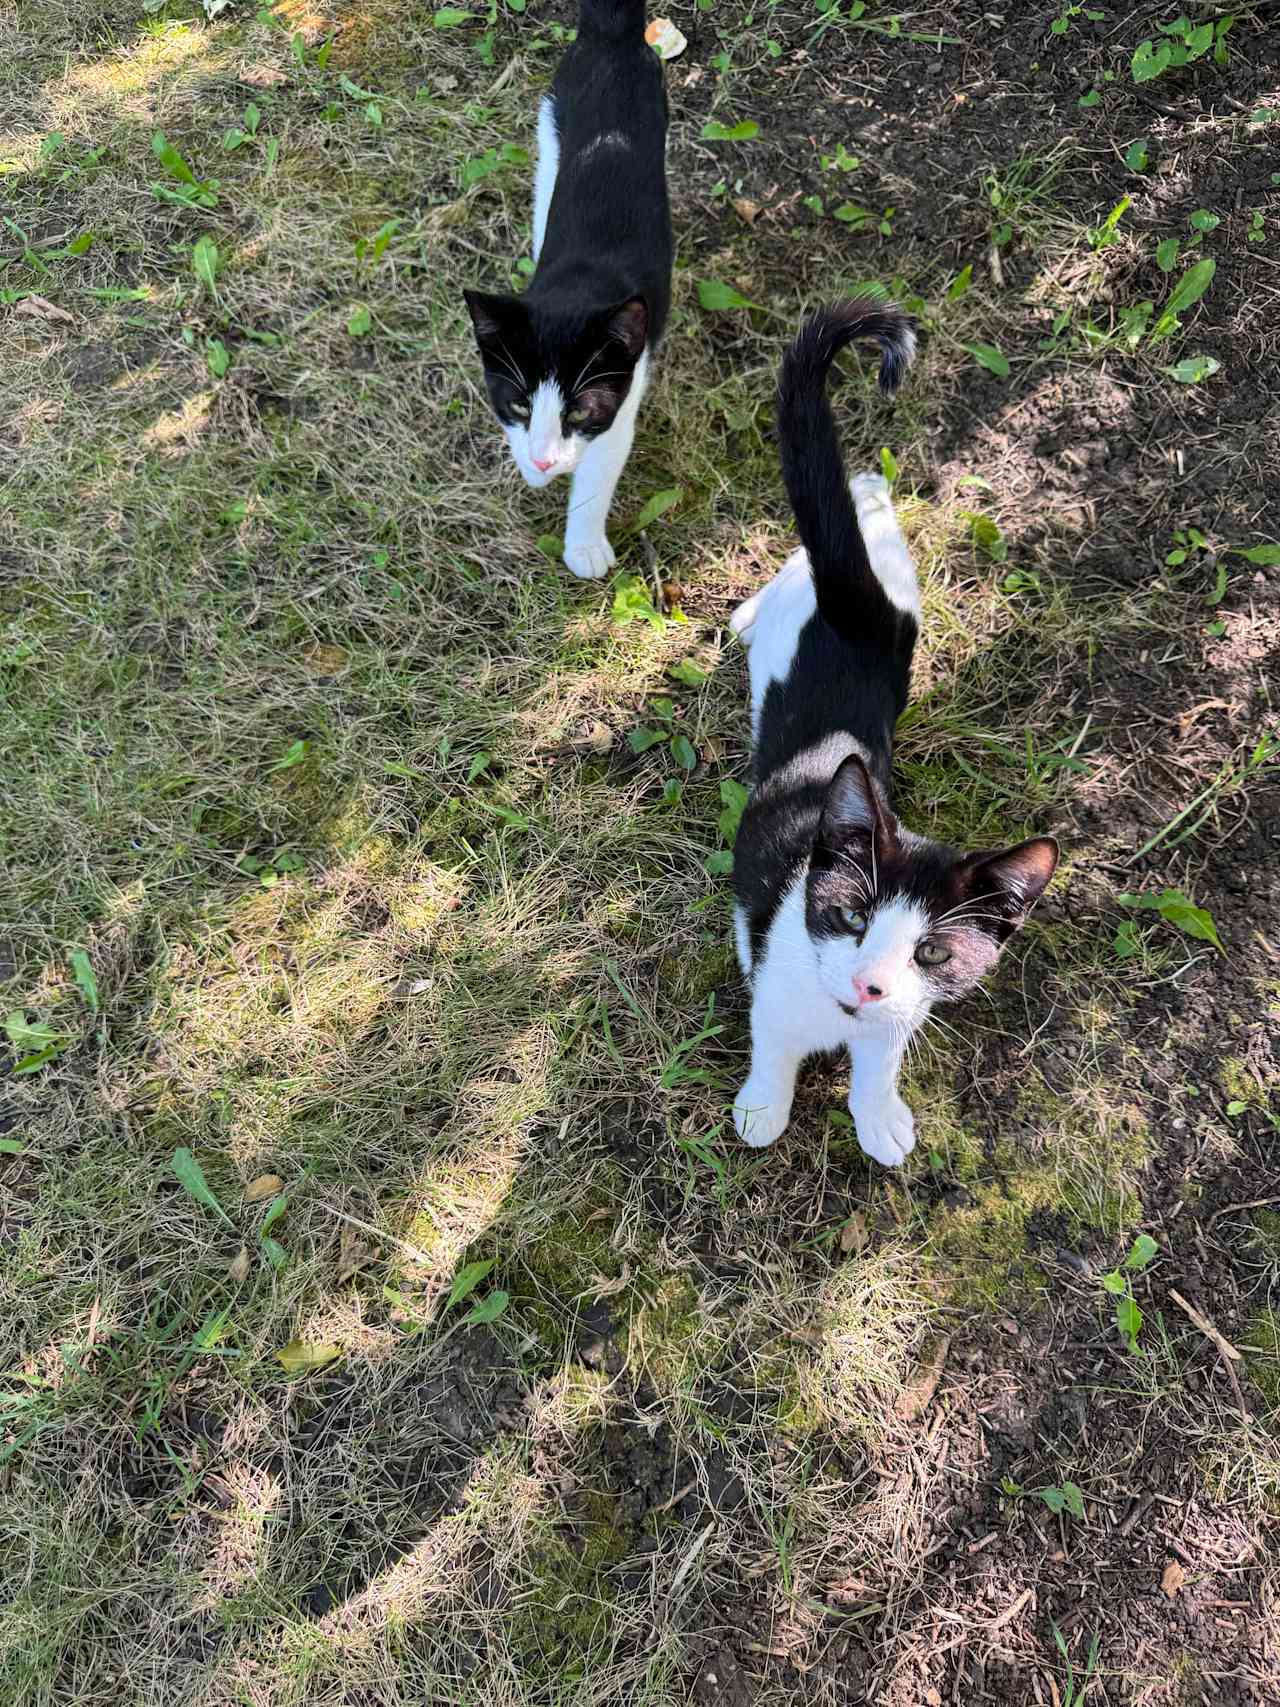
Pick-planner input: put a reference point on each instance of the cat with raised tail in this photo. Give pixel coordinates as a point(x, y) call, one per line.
point(849, 926)
point(566, 364)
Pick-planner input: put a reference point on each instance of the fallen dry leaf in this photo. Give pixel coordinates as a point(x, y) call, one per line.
point(924, 1383)
point(298, 1358)
point(266, 1185)
point(932, 1698)
point(353, 1255)
point(593, 737)
point(326, 660)
point(853, 1235)
point(40, 308)
point(746, 210)
point(1172, 1578)
point(238, 1268)
point(262, 76)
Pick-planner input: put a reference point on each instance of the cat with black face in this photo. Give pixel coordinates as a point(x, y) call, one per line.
point(849, 926)
point(566, 364)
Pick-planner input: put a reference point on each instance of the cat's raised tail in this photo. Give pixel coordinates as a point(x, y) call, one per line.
point(850, 595)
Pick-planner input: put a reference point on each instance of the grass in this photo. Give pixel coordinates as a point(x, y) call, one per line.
point(324, 767)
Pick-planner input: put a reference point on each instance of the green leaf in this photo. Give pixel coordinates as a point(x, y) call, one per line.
point(204, 261)
point(1113, 1283)
point(1265, 555)
point(41, 1058)
point(191, 1177)
point(988, 538)
point(488, 1309)
point(1054, 1498)
point(1141, 1251)
point(275, 1210)
point(719, 863)
point(86, 982)
point(1189, 289)
point(688, 672)
point(1233, 1109)
point(814, 204)
point(683, 752)
point(733, 798)
point(888, 464)
point(549, 546)
point(298, 1358)
point(359, 321)
point(1150, 59)
point(1192, 369)
point(1126, 943)
point(467, 1279)
point(1074, 1499)
point(640, 740)
point(1129, 1321)
point(1203, 220)
point(960, 284)
point(989, 357)
point(25, 1034)
point(745, 131)
point(1199, 40)
point(1136, 157)
point(1214, 597)
point(449, 17)
point(713, 296)
point(1178, 910)
point(11, 1147)
point(170, 159)
point(656, 506)
point(1167, 254)
point(631, 602)
point(1091, 99)
point(275, 1253)
point(479, 764)
point(218, 357)
point(293, 754)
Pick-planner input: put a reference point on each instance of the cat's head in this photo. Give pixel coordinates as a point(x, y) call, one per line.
point(555, 387)
point(898, 921)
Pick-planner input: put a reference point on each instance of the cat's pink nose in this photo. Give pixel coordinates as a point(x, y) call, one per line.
point(541, 466)
point(867, 992)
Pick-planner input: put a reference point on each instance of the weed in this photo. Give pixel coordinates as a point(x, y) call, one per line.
point(1118, 1284)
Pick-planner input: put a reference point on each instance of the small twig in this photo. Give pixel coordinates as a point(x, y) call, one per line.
point(1235, 1208)
point(411, 1251)
point(1206, 1327)
point(670, 1505)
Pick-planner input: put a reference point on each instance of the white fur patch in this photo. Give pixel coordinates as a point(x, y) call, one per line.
point(587, 551)
point(541, 437)
point(885, 959)
point(769, 625)
point(887, 550)
point(544, 177)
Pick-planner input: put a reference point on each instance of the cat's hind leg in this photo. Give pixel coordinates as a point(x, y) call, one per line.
point(544, 177)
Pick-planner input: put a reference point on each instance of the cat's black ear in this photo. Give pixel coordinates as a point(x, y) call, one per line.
point(490, 315)
point(628, 325)
point(855, 808)
point(1016, 877)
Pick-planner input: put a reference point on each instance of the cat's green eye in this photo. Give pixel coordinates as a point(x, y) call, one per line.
point(578, 417)
point(855, 922)
point(518, 411)
point(932, 954)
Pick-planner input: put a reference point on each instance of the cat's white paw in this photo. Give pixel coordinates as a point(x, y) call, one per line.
point(759, 1116)
point(590, 559)
point(886, 1129)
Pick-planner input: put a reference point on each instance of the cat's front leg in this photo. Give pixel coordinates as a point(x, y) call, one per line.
point(762, 1108)
point(586, 546)
point(885, 1125)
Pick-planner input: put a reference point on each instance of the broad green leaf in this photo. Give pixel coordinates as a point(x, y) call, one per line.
point(640, 740)
point(1178, 909)
point(204, 261)
point(1136, 157)
point(1191, 286)
point(888, 464)
point(170, 159)
point(814, 204)
point(27, 1034)
point(274, 1252)
point(1150, 60)
point(479, 765)
point(41, 1058)
point(631, 602)
point(1054, 1498)
point(988, 538)
point(1215, 595)
point(1129, 1321)
point(1126, 943)
point(688, 672)
point(218, 357)
point(83, 973)
point(274, 1212)
point(449, 17)
point(990, 358)
point(1233, 1109)
point(1091, 99)
point(1203, 220)
point(1199, 40)
point(1113, 1283)
point(292, 755)
point(11, 1147)
point(298, 1358)
point(1074, 1499)
point(744, 131)
point(656, 506)
point(712, 295)
point(191, 1177)
point(549, 546)
point(466, 1280)
point(488, 1309)
point(733, 798)
point(960, 284)
point(359, 321)
point(1143, 1249)
point(1192, 369)
point(1167, 254)
point(683, 752)
point(1265, 555)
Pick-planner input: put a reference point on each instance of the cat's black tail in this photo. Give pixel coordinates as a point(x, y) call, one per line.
point(849, 595)
point(612, 18)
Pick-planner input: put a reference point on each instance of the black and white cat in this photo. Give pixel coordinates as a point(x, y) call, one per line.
point(566, 364)
point(849, 926)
